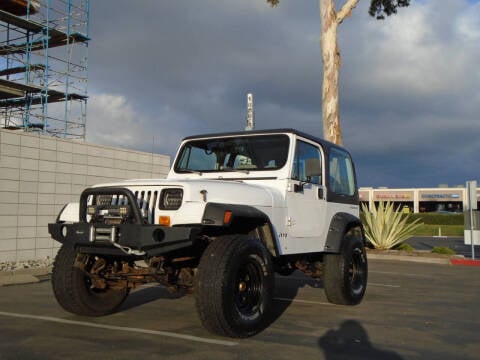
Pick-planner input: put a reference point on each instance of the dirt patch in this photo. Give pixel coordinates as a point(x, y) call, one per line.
point(416, 253)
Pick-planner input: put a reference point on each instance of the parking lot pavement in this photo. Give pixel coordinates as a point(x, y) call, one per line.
point(411, 311)
point(455, 243)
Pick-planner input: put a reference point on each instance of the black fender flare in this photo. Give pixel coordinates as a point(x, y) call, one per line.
point(340, 224)
point(214, 215)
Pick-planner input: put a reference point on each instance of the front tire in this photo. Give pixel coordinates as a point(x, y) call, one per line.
point(234, 286)
point(345, 277)
point(74, 290)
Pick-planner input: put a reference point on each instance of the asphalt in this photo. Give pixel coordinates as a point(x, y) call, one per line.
point(410, 311)
point(427, 243)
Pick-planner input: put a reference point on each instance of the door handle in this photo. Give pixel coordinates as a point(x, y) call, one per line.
point(321, 193)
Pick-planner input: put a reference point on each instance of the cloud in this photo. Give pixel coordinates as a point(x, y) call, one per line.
point(114, 121)
point(417, 52)
point(409, 93)
point(468, 24)
point(201, 56)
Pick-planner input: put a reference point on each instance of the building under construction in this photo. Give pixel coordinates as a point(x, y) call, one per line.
point(43, 66)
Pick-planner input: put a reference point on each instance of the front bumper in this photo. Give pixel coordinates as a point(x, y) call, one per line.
point(134, 238)
point(141, 239)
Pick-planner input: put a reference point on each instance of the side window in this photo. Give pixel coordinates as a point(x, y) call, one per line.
point(307, 164)
point(341, 180)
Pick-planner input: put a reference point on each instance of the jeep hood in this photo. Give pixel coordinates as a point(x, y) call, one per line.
point(199, 190)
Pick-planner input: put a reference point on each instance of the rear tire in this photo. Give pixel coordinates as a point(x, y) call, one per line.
point(345, 276)
point(74, 290)
point(234, 286)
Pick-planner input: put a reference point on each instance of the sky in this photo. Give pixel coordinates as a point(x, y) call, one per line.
point(409, 85)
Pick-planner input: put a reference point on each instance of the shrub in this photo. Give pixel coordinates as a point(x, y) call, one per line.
point(405, 247)
point(386, 228)
point(443, 250)
point(446, 230)
point(439, 219)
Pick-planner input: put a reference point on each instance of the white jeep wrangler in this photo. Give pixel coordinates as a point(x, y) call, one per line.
point(234, 209)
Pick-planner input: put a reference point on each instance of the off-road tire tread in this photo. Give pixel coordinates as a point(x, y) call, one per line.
point(335, 285)
point(216, 262)
point(71, 292)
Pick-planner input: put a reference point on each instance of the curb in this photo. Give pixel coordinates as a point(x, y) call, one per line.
point(465, 262)
point(17, 279)
point(23, 276)
point(417, 259)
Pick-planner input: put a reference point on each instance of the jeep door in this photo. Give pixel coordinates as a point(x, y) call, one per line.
point(305, 199)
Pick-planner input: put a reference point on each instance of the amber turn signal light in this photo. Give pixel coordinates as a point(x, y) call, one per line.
point(164, 220)
point(227, 217)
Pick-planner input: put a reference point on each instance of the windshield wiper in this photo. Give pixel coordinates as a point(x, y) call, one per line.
point(192, 171)
point(243, 171)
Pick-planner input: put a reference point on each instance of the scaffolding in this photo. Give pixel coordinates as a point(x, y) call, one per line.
point(43, 66)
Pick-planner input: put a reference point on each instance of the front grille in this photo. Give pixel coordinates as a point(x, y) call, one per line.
point(146, 201)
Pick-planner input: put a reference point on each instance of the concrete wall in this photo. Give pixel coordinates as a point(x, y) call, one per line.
point(39, 174)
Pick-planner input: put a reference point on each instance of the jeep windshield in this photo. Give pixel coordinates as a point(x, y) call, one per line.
point(242, 153)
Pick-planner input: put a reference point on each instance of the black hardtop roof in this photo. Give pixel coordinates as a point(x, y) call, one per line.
point(323, 142)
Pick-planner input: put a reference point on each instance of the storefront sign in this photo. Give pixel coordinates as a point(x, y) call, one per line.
point(440, 196)
point(393, 196)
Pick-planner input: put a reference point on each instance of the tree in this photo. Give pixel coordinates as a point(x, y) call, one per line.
point(330, 18)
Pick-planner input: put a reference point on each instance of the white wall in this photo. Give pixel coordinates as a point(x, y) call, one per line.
point(39, 174)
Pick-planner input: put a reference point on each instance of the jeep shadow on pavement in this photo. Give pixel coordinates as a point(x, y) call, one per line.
point(234, 209)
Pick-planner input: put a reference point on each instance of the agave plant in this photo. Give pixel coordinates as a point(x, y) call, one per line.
point(385, 227)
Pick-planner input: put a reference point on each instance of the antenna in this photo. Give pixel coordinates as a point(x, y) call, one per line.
point(250, 114)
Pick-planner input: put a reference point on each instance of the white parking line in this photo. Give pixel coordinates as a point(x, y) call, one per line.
point(369, 283)
point(327, 303)
point(398, 274)
point(121, 328)
point(383, 285)
point(302, 301)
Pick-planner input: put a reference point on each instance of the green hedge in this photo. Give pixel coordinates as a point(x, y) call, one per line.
point(446, 230)
point(438, 219)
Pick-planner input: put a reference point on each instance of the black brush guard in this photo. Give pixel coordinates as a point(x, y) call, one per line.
point(132, 239)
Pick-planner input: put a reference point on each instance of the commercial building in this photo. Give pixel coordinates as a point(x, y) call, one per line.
point(441, 199)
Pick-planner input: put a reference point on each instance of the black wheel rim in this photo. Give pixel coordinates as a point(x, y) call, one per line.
point(248, 288)
point(357, 271)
